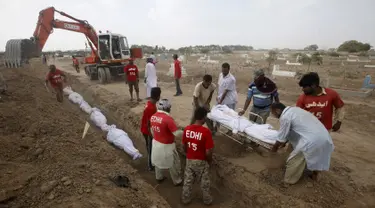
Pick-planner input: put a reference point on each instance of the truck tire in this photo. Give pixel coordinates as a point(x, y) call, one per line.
point(108, 74)
point(93, 76)
point(102, 75)
point(87, 71)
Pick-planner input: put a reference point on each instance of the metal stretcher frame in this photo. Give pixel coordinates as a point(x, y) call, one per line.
point(254, 142)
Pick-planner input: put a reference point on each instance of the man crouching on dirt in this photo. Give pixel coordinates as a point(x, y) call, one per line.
point(309, 138)
point(198, 145)
point(164, 154)
point(55, 78)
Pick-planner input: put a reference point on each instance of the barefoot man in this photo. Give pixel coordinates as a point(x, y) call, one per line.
point(132, 79)
point(56, 78)
point(311, 142)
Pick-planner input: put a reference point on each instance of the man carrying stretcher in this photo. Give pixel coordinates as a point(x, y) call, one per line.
point(202, 98)
point(311, 142)
point(263, 92)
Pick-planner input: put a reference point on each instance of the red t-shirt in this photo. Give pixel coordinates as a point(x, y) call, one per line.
point(55, 78)
point(163, 126)
point(197, 139)
point(177, 69)
point(75, 61)
point(321, 106)
point(149, 110)
point(131, 72)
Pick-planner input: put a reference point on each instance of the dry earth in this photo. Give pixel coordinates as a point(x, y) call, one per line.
point(241, 178)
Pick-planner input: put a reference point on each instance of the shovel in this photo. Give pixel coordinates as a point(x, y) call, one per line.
point(87, 126)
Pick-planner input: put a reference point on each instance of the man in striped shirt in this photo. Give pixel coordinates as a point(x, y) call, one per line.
point(263, 92)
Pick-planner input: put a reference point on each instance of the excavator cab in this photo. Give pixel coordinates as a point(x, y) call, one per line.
point(113, 47)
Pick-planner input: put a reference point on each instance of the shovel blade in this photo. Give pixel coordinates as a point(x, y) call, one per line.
point(87, 126)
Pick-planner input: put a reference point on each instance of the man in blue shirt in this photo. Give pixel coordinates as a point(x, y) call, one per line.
point(264, 93)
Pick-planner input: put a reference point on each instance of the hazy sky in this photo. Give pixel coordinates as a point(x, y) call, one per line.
point(176, 23)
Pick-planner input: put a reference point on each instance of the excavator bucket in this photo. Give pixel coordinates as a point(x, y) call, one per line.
point(19, 51)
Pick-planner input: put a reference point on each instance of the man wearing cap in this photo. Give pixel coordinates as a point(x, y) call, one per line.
point(151, 79)
point(264, 93)
point(164, 154)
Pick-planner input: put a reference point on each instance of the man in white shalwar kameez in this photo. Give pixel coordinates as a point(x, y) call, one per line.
point(311, 142)
point(151, 79)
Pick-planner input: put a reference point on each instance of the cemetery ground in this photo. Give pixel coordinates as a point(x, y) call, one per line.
point(45, 163)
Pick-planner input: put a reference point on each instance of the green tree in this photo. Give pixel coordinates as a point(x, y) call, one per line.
point(317, 58)
point(205, 50)
point(353, 46)
point(312, 47)
point(226, 49)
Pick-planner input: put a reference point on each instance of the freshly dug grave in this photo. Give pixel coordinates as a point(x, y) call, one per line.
point(45, 163)
point(233, 184)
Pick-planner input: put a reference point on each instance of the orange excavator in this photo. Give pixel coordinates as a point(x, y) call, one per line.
point(109, 51)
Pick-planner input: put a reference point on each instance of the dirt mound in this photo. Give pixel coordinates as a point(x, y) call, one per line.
point(240, 178)
point(45, 163)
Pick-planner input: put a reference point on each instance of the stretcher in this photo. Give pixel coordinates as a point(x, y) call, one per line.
point(241, 137)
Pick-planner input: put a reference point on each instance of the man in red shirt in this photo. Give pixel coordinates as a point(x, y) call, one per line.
point(177, 74)
point(321, 101)
point(198, 145)
point(56, 78)
point(132, 79)
point(164, 154)
point(149, 110)
point(75, 63)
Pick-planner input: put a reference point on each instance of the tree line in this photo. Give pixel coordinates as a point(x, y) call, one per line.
point(194, 49)
point(350, 46)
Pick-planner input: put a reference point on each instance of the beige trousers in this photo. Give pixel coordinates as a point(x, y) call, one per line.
point(294, 168)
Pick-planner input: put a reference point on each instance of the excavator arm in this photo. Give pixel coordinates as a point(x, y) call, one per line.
point(19, 51)
point(47, 22)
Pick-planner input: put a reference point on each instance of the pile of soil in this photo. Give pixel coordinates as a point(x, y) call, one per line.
point(44, 162)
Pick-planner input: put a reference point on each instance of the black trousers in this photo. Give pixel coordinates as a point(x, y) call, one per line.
point(148, 139)
point(178, 87)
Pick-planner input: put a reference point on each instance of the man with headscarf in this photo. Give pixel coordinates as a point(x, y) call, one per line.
point(164, 154)
point(151, 79)
point(312, 144)
point(263, 92)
